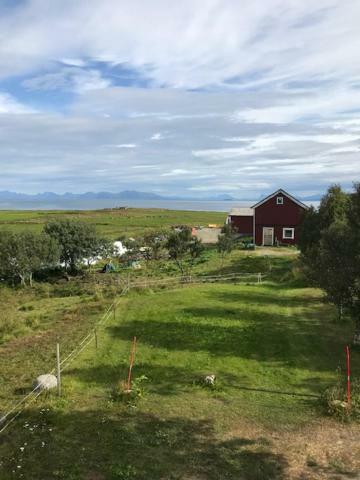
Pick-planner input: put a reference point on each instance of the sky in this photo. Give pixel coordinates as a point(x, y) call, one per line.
point(190, 98)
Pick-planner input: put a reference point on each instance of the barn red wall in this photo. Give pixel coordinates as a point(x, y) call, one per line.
point(269, 214)
point(277, 234)
point(243, 225)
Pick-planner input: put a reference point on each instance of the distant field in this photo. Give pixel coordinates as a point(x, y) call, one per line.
point(111, 223)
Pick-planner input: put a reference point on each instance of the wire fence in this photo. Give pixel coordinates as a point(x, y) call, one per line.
point(148, 282)
point(9, 417)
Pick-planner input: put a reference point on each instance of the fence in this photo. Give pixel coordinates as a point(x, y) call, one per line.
point(9, 417)
point(148, 282)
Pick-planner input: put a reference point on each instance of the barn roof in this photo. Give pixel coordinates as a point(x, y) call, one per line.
point(242, 212)
point(280, 191)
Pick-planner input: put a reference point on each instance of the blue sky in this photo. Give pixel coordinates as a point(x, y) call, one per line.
point(188, 98)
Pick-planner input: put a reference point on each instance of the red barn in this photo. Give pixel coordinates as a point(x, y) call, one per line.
point(274, 220)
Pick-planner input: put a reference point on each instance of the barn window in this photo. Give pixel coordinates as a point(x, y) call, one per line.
point(288, 233)
point(279, 200)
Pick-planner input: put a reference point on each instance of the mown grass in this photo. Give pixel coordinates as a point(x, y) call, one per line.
point(273, 347)
point(111, 223)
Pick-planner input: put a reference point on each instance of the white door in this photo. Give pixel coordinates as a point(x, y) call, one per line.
point(268, 236)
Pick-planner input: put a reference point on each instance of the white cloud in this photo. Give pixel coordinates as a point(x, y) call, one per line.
point(9, 104)
point(126, 145)
point(142, 167)
point(194, 44)
point(177, 172)
point(157, 136)
point(75, 79)
point(234, 187)
point(253, 43)
point(73, 62)
point(66, 152)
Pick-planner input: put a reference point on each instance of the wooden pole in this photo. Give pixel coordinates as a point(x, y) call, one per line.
point(96, 338)
point(132, 359)
point(58, 369)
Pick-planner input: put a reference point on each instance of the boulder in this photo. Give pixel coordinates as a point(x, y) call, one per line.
point(45, 382)
point(210, 380)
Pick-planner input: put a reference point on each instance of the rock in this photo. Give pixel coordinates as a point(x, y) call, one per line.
point(45, 382)
point(210, 379)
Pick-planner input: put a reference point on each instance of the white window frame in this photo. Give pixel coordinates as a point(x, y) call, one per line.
point(279, 200)
point(292, 233)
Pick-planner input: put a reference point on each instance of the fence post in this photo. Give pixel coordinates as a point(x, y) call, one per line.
point(96, 338)
point(347, 351)
point(58, 369)
point(131, 364)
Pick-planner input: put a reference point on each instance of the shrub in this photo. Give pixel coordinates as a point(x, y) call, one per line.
point(334, 400)
point(123, 472)
point(130, 397)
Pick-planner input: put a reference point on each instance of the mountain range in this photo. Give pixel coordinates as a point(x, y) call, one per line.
point(8, 196)
point(124, 195)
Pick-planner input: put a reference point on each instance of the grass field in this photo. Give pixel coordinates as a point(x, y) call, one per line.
point(111, 223)
point(274, 347)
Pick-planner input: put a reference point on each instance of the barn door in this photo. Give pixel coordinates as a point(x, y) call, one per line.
point(268, 236)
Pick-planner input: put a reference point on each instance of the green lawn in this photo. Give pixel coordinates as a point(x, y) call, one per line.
point(273, 348)
point(111, 223)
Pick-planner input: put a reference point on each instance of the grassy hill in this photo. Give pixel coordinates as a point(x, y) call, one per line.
point(273, 347)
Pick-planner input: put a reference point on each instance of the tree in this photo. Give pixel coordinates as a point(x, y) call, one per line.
point(226, 241)
point(184, 249)
point(326, 247)
point(154, 244)
point(334, 206)
point(354, 222)
point(309, 231)
point(99, 248)
point(330, 250)
point(77, 241)
point(334, 264)
point(24, 253)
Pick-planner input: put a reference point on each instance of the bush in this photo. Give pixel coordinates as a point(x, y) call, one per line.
point(130, 397)
point(334, 400)
point(123, 472)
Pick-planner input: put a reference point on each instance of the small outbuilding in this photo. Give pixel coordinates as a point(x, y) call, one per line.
point(273, 220)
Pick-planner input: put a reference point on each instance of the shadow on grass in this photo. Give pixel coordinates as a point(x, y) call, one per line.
point(167, 380)
point(278, 392)
point(109, 446)
point(163, 380)
point(258, 336)
point(269, 298)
